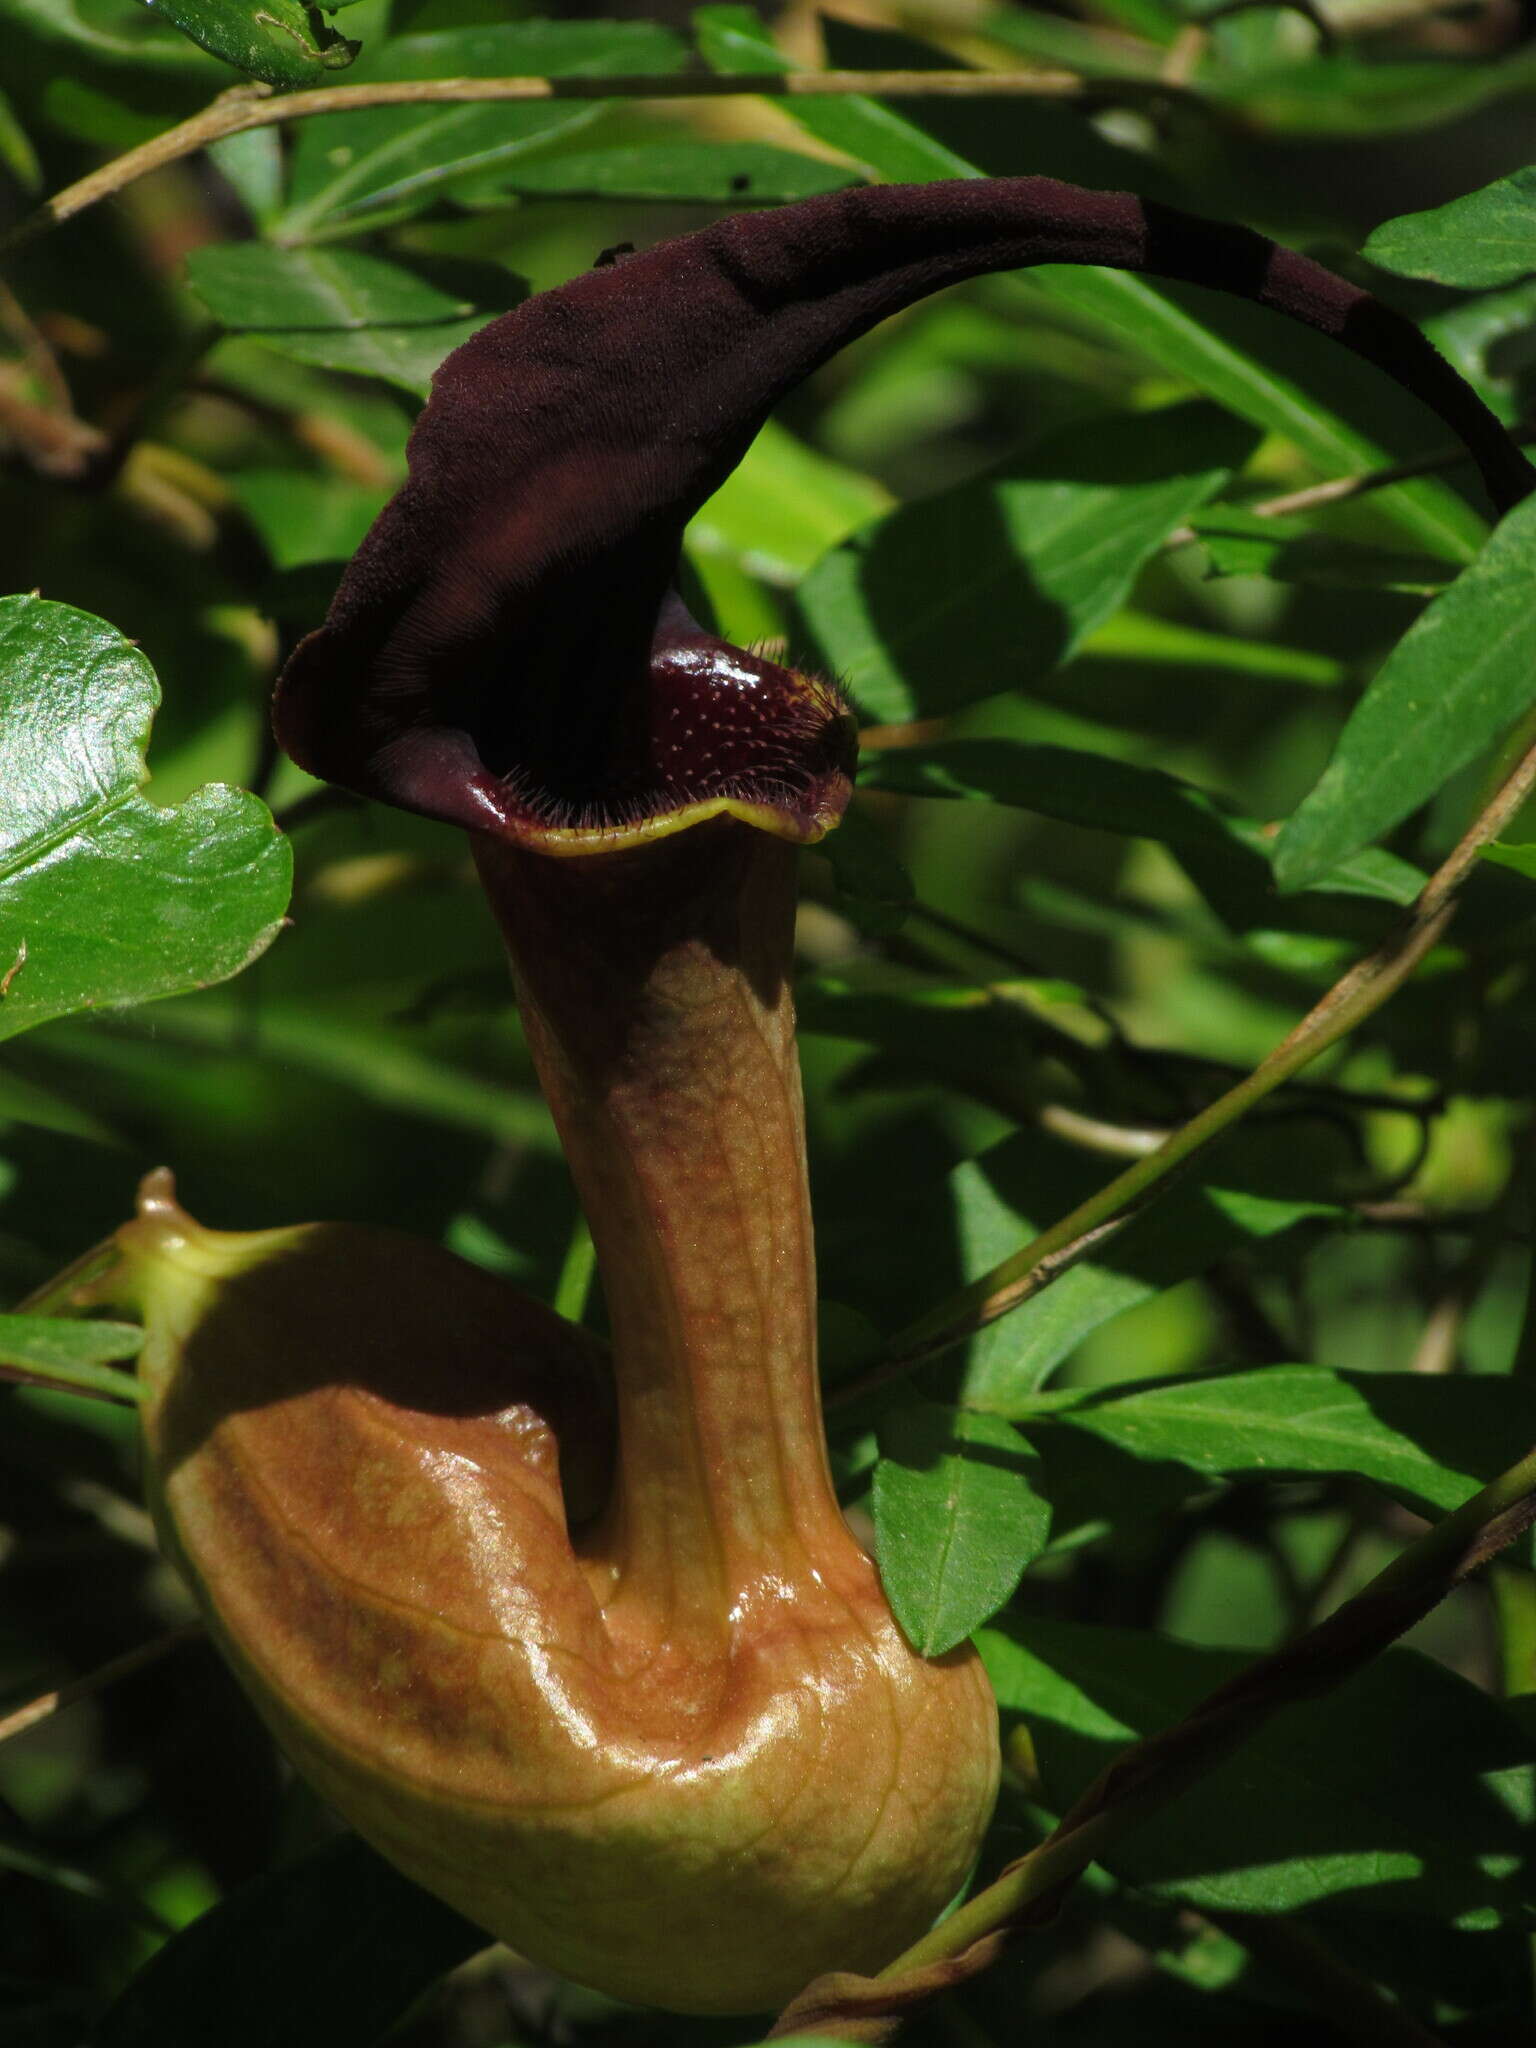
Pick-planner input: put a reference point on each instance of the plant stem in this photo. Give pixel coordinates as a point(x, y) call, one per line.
point(1336, 489)
point(1358, 994)
point(252, 106)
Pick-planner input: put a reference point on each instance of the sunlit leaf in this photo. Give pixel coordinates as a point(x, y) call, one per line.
point(1484, 238)
point(105, 899)
point(957, 1520)
point(70, 1353)
point(985, 586)
point(1111, 796)
point(1504, 854)
point(282, 42)
point(741, 173)
point(254, 285)
point(347, 165)
point(1451, 687)
point(1430, 1440)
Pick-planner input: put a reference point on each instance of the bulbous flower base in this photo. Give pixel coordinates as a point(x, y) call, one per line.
point(384, 1473)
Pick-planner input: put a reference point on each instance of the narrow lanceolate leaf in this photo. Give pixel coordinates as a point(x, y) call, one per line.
point(984, 587)
point(406, 356)
point(1484, 238)
point(1429, 1441)
point(957, 1520)
point(252, 285)
point(1108, 795)
point(103, 897)
point(738, 173)
point(1406, 1791)
point(1238, 542)
point(1454, 683)
point(346, 167)
point(70, 1353)
point(336, 308)
point(325, 1952)
point(283, 42)
point(1505, 854)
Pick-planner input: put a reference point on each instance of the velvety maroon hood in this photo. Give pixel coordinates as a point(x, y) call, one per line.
point(506, 650)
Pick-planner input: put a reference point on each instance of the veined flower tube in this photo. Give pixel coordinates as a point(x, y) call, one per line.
point(586, 1646)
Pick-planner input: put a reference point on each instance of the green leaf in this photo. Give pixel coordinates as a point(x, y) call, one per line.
point(1143, 637)
point(1460, 676)
point(252, 162)
point(1110, 796)
point(734, 38)
point(1244, 543)
point(741, 173)
point(1407, 1790)
point(282, 42)
point(1505, 855)
point(336, 308)
point(404, 356)
point(989, 1207)
point(16, 151)
point(957, 1520)
point(1355, 96)
point(349, 165)
point(1484, 238)
point(980, 588)
point(783, 506)
point(1491, 341)
point(325, 1952)
point(1429, 1441)
point(1184, 1235)
point(303, 518)
point(1336, 411)
point(120, 35)
point(70, 1353)
point(103, 898)
point(254, 285)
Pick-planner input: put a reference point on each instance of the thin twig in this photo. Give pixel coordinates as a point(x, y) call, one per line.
point(1358, 994)
point(48, 1703)
point(255, 107)
point(1335, 490)
point(1151, 1773)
